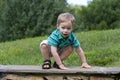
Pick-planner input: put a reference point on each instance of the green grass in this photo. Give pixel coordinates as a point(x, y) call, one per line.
point(102, 48)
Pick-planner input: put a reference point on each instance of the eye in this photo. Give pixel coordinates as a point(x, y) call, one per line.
point(63, 27)
point(68, 28)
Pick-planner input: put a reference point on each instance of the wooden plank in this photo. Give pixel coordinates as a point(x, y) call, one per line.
point(72, 70)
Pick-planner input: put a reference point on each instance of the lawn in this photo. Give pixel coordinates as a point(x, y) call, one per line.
point(102, 48)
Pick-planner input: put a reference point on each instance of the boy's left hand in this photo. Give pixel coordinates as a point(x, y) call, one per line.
point(85, 65)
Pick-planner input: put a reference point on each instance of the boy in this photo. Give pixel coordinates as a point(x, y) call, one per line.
point(61, 43)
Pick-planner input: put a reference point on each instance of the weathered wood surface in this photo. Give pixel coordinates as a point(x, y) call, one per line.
point(72, 70)
point(29, 72)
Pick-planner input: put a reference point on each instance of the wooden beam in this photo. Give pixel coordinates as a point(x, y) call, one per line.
point(75, 71)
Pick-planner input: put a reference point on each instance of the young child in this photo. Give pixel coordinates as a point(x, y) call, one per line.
point(61, 43)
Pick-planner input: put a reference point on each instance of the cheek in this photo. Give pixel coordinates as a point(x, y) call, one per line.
point(69, 31)
point(61, 30)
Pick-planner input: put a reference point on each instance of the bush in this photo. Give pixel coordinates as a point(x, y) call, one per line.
point(28, 18)
point(99, 14)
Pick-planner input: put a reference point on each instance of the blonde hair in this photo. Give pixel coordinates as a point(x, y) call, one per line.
point(65, 17)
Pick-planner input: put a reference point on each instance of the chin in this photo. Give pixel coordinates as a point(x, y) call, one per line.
point(65, 36)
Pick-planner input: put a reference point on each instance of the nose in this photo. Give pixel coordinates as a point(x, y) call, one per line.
point(65, 30)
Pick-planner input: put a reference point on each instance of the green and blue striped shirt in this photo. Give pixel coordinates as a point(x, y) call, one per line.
point(57, 40)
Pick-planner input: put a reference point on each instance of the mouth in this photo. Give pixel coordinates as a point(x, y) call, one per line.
point(65, 35)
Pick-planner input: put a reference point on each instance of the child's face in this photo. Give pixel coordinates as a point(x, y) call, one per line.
point(65, 28)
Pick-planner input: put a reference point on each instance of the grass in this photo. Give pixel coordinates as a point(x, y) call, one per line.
point(102, 48)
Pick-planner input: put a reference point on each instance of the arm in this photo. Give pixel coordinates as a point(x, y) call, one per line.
point(82, 56)
point(57, 58)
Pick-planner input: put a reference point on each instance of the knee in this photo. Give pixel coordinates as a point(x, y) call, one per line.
point(44, 46)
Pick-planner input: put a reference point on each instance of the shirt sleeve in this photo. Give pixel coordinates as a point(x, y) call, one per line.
point(53, 40)
point(76, 44)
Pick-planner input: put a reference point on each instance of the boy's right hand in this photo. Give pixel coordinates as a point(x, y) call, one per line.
point(63, 67)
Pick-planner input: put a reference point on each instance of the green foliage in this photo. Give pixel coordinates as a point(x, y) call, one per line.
point(24, 51)
point(98, 15)
point(28, 18)
point(102, 14)
point(101, 49)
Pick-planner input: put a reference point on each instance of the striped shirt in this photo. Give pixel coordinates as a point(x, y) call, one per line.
point(57, 40)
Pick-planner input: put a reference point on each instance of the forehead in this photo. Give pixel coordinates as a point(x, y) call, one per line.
point(66, 24)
